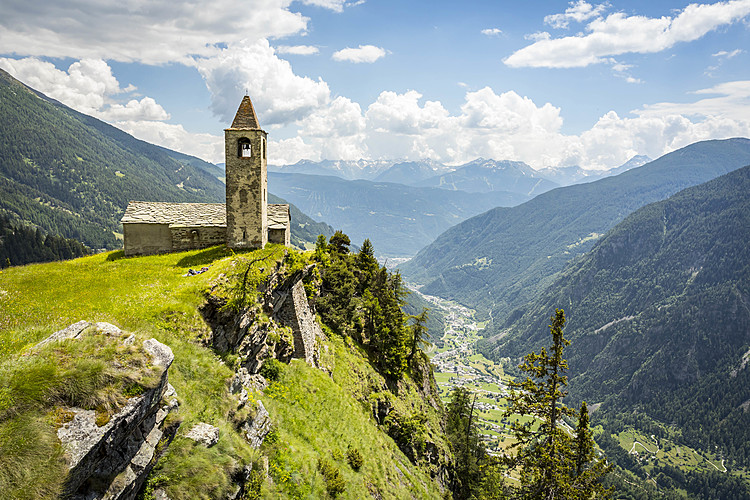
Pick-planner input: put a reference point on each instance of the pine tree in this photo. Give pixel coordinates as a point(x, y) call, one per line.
point(587, 471)
point(419, 335)
point(463, 436)
point(552, 465)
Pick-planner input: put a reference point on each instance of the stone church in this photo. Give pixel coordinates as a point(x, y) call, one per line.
point(246, 220)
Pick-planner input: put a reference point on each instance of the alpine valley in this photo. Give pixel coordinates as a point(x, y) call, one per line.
point(311, 371)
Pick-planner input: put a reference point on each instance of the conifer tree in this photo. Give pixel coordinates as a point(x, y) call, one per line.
point(419, 335)
point(551, 464)
point(463, 436)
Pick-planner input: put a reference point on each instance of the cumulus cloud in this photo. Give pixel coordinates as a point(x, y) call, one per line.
point(620, 34)
point(207, 146)
point(510, 126)
point(299, 50)
point(578, 11)
point(492, 31)
point(153, 32)
point(87, 86)
point(362, 54)
point(279, 95)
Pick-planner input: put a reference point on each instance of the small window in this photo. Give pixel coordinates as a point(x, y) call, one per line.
point(263, 148)
point(245, 150)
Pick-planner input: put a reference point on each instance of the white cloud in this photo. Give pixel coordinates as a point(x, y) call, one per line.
point(362, 54)
point(578, 11)
point(210, 147)
point(299, 50)
point(620, 34)
point(539, 35)
point(728, 55)
point(334, 5)
point(510, 126)
point(153, 32)
point(279, 95)
point(87, 86)
point(492, 31)
point(731, 101)
point(145, 109)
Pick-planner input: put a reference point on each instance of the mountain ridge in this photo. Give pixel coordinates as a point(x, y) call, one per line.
point(500, 259)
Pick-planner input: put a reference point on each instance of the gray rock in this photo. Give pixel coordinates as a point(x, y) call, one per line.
point(204, 433)
point(108, 329)
point(257, 428)
point(71, 332)
point(111, 461)
point(162, 354)
point(160, 494)
point(243, 379)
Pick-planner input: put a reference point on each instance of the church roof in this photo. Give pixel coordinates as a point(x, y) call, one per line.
point(278, 216)
point(245, 119)
point(176, 214)
point(194, 214)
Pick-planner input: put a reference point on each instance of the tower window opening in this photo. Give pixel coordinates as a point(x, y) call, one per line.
point(245, 150)
point(263, 148)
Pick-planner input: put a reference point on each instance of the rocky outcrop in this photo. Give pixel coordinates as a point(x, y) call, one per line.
point(203, 433)
point(257, 427)
point(112, 460)
point(255, 338)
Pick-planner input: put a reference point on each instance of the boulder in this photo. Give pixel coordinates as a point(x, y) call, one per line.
point(205, 434)
point(112, 460)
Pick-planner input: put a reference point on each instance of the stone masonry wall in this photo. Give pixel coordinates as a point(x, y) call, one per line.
point(295, 312)
point(193, 238)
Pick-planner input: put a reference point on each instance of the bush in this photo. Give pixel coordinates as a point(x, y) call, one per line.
point(354, 457)
point(335, 484)
point(271, 369)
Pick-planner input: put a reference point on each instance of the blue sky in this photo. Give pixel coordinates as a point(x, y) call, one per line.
point(551, 83)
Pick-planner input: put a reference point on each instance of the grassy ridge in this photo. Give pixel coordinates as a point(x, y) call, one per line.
point(315, 415)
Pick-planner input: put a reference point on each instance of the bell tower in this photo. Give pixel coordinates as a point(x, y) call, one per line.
point(246, 180)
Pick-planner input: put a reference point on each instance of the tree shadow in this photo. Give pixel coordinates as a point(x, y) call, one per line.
point(204, 257)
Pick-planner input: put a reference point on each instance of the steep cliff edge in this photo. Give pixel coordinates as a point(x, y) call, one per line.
point(271, 405)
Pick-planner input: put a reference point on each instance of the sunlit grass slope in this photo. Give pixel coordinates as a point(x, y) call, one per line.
point(316, 415)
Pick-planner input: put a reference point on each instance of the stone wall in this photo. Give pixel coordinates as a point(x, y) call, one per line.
point(280, 236)
point(146, 239)
point(295, 313)
point(194, 238)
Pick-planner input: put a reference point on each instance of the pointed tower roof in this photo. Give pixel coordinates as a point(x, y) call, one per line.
point(245, 119)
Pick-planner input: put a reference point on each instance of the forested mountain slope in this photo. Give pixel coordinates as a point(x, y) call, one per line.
point(73, 175)
point(659, 317)
point(501, 259)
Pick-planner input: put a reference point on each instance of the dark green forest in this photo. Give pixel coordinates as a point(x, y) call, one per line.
point(21, 245)
point(660, 322)
point(500, 260)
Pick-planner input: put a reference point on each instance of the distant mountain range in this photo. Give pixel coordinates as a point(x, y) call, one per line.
point(659, 315)
point(484, 176)
point(73, 175)
point(479, 175)
point(398, 219)
point(409, 203)
point(501, 259)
